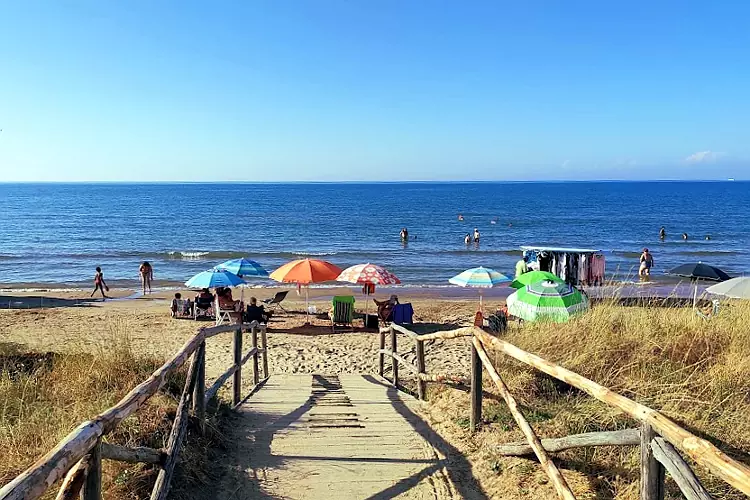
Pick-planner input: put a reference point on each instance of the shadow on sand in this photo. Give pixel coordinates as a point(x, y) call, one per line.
point(39, 302)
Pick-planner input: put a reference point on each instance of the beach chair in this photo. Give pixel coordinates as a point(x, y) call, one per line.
point(714, 310)
point(181, 308)
point(343, 311)
point(403, 314)
point(223, 315)
point(203, 308)
point(276, 300)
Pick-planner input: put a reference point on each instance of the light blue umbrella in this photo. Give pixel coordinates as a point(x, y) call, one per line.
point(479, 277)
point(243, 267)
point(214, 278)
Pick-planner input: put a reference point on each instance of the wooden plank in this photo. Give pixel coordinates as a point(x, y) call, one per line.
point(558, 481)
point(92, 485)
point(176, 435)
point(700, 450)
point(237, 376)
point(408, 365)
point(457, 379)
point(652, 472)
point(452, 334)
point(254, 344)
point(264, 346)
point(394, 351)
point(421, 384)
point(381, 352)
point(140, 454)
point(401, 329)
point(73, 482)
point(626, 437)
point(475, 418)
point(680, 471)
point(199, 395)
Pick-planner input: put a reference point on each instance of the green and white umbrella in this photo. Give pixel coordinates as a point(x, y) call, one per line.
point(547, 301)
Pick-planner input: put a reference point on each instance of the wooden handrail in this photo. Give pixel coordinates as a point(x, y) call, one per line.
point(700, 450)
point(561, 486)
point(56, 463)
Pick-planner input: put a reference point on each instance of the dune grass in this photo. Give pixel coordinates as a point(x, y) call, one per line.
point(695, 371)
point(44, 396)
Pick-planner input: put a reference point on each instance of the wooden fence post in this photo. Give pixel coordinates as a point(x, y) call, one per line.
point(421, 384)
point(394, 361)
point(92, 486)
point(199, 394)
point(476, 389)
point(381, 356)
point(264, 346)
point(652, 472)
point(254, 340)
point(237, 377)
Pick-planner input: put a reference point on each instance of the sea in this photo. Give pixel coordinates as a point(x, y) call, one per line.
point(54, 235)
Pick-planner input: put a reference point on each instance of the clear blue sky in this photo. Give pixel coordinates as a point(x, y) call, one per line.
point(373, 90)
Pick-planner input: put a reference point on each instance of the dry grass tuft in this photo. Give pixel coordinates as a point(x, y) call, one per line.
point(695, 371)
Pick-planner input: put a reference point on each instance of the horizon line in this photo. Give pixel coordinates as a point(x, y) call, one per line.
point(246, 182)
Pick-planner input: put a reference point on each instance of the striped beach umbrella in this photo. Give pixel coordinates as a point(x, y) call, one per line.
point(547, 301)
point(534, 277)
point(479, 277)
point(244, 267)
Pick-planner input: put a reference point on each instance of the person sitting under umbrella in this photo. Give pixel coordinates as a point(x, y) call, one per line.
point(256, 313)
point(226, 302)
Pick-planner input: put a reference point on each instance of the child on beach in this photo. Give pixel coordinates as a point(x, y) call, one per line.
point(99, 283)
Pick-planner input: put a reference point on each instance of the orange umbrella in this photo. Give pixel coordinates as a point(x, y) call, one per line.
point(304, 272)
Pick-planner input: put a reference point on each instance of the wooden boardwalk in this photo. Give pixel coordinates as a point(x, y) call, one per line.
point(332, 437)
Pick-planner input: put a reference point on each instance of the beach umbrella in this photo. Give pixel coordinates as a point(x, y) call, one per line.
point(534, 277)
point(547, 301)
point(735, 288)
point(368, 273)
point(699, 271)
point(244, 267)
point(214, 278)
point(479, 277)
point(304, 272)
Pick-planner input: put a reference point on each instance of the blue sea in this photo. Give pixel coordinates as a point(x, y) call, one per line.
point(54, 235)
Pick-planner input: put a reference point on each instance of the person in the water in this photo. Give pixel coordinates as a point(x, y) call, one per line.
point(662, 233)
point(684, 236)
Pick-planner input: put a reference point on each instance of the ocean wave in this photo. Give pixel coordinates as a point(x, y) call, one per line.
point(709, 252)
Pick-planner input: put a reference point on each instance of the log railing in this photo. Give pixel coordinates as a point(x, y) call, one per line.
point(659, 437)
point(418, 369)
point(78, 457)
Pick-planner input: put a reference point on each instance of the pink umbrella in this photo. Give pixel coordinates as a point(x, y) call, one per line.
point(368, 273)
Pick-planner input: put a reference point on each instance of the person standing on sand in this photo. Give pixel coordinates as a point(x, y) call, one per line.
point(147, 275)
point(647, 262)
point(99, 283)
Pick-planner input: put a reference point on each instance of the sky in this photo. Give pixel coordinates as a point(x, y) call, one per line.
point(325, 90)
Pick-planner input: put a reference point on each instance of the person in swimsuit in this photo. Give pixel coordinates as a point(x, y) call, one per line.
point(99, 283)
point(147, 275)
point(476, 235)
point(647, 262)
point(467, 239)
point(662, 233)
point(684, 236)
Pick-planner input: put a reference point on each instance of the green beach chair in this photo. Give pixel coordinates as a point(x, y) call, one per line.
point(343, 311)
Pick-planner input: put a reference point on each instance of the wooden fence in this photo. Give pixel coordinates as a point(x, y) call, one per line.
point(659, 437)
point(78, 457)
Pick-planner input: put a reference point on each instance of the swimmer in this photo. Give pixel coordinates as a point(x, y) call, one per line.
point(460, 217)
point(684, 236)
point(662, 233)
point(404, 234)
point(467, 239)
point(476, 235)
point(493, 221)
point(647, 262)
point(708, 237)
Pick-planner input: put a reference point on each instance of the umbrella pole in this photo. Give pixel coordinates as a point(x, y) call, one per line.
point(307, 307)
point(695, 295)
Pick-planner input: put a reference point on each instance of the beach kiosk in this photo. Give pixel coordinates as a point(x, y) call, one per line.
point(576, 266)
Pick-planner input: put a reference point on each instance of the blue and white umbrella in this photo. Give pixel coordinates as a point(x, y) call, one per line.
point(243, 267)
point(479, 277)
point(213, 279)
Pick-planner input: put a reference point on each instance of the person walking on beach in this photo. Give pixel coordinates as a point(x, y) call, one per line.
point(647, 262)
point(147, 275)
point(99, 283)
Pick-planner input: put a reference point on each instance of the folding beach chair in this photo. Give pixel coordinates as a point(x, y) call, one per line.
point(203, 308)
point(714, 310)
point(343, 311)
point(223, 315)
point(181, 308)
point(276, 300)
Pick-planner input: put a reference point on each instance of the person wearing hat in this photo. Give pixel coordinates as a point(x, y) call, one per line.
point(647, 262)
